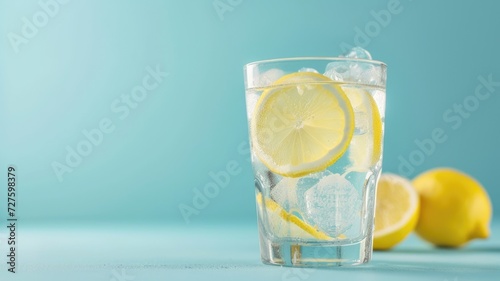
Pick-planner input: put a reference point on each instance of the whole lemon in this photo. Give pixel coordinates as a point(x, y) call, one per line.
point(454, 208)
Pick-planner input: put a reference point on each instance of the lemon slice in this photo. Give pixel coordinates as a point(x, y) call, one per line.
point(366, 144)
point(396, 213)
point(283, 224)
point(302, 124)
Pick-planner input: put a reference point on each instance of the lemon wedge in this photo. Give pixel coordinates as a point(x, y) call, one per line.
point(302, 124)
point(283, 224)
point(396, 213)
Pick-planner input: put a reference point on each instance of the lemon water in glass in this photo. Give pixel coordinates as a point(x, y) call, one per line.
point(316, 132)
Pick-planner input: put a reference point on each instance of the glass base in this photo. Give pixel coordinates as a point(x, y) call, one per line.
point(315, 254)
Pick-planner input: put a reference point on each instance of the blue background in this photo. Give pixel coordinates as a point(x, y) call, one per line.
point(66, 77)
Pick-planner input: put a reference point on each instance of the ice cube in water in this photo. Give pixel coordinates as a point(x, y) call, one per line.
point(337, 71)
point(355, 71)
point(332, 204)
point(358, 53)
point(285, 193)
point(270, 76)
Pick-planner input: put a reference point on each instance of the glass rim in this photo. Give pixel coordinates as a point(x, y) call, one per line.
point(315, 58)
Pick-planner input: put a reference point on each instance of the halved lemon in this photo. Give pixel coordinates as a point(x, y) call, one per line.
point(283, 224)
point(301, 124)
point(366, 144)
point(397, 211)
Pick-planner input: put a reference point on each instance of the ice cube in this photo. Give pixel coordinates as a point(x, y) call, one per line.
point(332, 74)
point(370, 74)
point(285, 193)
point(337, 71)
point(356, 71)
point(307, 182)
point(340, 67)
point(307, 69)
point(332, 204)
point(358, 53)
point(345, 71)
point(270, 76)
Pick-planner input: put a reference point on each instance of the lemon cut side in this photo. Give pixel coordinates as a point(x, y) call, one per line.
point(301, 125)
point(396, 213)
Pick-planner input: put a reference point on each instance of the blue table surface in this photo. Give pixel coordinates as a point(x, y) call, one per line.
point(220, 252)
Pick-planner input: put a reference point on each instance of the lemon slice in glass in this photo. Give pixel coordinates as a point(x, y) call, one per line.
point(283, 224)
point(366, 144)
point(302, 124)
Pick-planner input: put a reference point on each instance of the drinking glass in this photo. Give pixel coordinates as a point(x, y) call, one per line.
point(316, 127)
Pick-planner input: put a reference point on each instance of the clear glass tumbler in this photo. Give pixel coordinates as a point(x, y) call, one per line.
point(316, 142)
